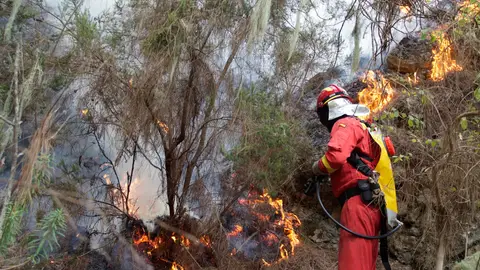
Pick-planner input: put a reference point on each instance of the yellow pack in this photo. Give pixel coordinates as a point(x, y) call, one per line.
point(386, 179)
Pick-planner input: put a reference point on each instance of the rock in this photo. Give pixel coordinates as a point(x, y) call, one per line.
point(411, 55)
point(320, 79)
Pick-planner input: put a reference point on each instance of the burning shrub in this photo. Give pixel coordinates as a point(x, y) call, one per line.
point(260, 229)
point(164, 248)
point(378, 93)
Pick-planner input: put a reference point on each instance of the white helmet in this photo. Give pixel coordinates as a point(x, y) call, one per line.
point(339, 103)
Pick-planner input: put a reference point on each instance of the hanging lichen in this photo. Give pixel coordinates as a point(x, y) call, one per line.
point(259, 21)
point(294, 40)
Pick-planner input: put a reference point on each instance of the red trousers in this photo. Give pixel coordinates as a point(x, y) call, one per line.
point(357, 253)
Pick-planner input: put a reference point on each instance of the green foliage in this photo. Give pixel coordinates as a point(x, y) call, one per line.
point(58, 82)
point(270, 144)
point(477, 94)
point(12, 226)
point(42, 171)
point(51, 227)
point(26, 12)
point(86, 29)
point(168, 37)
point(414, 122)
point(463, 123)
point(400, 158)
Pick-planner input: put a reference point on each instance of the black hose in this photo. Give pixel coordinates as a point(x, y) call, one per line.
point(347, 229)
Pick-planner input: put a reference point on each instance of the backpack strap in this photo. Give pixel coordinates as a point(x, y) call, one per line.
point(356, 161)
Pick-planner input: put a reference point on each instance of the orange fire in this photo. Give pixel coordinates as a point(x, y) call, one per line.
point(176, 266)
point(182, 240)
point(84, 112)
point(443, 61)
point(107, 179)
point(236, 230)
point(414, 80)
point(284, 221)
point(205, 240)
point(118, 197)
point(405, 9)
point(148, 245)
point(163, 126)
point(378, 93)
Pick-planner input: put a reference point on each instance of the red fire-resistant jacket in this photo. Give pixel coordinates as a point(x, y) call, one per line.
point(347, 134)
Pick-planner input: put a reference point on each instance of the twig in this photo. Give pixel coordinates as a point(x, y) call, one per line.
point(248, 239)
point(186, 249)
point(340, 32)
point(130, 176)
point(92, 250)
point(6, 120)
point(15, 266)
point(166, 226)
point(244, 188)
point(113, 166)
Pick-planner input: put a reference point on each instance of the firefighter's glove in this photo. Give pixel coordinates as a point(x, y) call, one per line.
point(316, 170)
point(310, 186)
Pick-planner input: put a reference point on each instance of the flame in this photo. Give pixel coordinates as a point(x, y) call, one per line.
point(84, 112)
point(176, 266)
point(130, 82)
point(405, 9)
point(107, 179)
point(378, 94)
point(236, 230)
point(283, 222)
point(205, 240)
point(414, 80)
point(163, 126)
point(184, 241)
point(116, 192)
point(148, 245)
point(442, 57)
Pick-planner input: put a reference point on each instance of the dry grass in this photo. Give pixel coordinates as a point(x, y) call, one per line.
point(439, 190)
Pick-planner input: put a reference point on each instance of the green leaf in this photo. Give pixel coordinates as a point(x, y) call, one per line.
point(424, 99)
point(476, 94)
point(410, 123)
point(414, 140)
point(464, 123)
point(395, 114)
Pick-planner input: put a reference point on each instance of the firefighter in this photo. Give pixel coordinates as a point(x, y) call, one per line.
point(348, 134)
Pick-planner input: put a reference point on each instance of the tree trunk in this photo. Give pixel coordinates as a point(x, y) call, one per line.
point(16, 127)
point(8, 29)
point(356, 36)
point(440, 252)
point(171, 187)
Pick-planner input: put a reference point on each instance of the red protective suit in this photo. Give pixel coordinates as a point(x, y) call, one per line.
point(348, 134)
